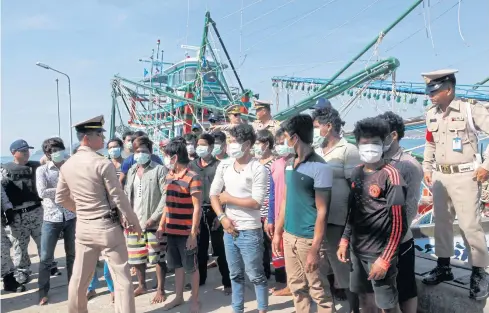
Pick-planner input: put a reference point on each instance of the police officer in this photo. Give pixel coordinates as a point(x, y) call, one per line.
point(234, 116)
point(454, 171)
point(25, 219)
point(9, 282)
point(264, 117)
point(88, 184)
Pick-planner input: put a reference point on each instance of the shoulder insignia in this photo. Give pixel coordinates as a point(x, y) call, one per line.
point(458, 118)
point(432, 120)
point(374, 191)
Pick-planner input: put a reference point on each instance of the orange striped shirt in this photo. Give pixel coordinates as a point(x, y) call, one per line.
point(179, 206)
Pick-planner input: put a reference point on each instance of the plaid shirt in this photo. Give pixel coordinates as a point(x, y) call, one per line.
point(46, 182)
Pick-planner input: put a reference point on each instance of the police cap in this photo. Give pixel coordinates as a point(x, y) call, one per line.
point(436, 79)
point(93, 124)
point(233, 109)
point(258, 104)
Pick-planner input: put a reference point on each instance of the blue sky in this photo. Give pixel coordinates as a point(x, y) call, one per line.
point(92, 40)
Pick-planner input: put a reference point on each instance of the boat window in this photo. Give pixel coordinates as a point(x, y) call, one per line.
point(180, 77)
point(190, 73)
point(211, 76)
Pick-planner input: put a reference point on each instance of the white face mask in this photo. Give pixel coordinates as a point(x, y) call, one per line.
point(290, 150)
point(58, 156)
point(235, 150)
point(370, 153)
point(388, 146)
point(258, 151)
point(167, 163)
point(217, 150)
point(190, 149)
point(318, 139)
point(282, 150)
point(202, 151)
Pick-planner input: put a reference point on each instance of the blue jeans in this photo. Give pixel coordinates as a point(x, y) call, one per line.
point(108, 279)
point(49, 239)
point(245, 254)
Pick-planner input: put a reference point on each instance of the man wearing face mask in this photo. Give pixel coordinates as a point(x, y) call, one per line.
point(191, 140)
point(57, 219)
point(220, 146)
point(263, 152)
point(453, 168)
point(25, 218)
point(342, 157)
point(130, 161)
point(145, 187)
point(88, 185)
point(412, 173)
point(277, 193)
point(127, 144)
point(245, 181)
point(376, 222)
point(205, 166)
point(303, 217)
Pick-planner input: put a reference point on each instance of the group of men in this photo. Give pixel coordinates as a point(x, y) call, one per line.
point(216, 187)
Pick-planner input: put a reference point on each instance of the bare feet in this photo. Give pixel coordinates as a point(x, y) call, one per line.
point(139, 291)
point(112, 297)
point(228, 291)
point(212, 264)
point(172, 304)
point(133, 271)
point(91, 294)
point(44, 301)
point(159, 297)
point(284, 292)
point(194, 307)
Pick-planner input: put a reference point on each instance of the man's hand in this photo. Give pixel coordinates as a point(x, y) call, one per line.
point(312, 261)
point(215, 224)
point(427, 179)
point(149, 223)
point(376, 272)
point(224, 197)
point(160, 232)
point(228, 226)
point(342, 253)
point(277, 245)
point(9, 216)
point(136, 229)
point(270, 229)
point(191, 242)
point(481, 174)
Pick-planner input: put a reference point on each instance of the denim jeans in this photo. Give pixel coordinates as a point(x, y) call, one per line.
point(245, 254)
point(108, 279)
point(49, 239)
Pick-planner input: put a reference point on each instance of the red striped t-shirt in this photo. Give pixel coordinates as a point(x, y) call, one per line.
point(179, 206)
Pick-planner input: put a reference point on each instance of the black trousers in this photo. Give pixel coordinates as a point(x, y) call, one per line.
point(217, 241)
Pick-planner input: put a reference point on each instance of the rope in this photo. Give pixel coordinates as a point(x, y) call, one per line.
point(459, 24)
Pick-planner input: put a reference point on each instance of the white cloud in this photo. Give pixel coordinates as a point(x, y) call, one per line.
point(36, 22)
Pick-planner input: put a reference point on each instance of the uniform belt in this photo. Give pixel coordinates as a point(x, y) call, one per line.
point(453, 169)
point(111, 215)
point(28, 209)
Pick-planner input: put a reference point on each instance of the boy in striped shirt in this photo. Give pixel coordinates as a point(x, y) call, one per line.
point(181, 219)
point(376, 221)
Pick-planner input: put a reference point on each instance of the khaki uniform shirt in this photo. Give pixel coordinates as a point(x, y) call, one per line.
point(446, 126)
point(342, 159)
point(88, 182)
point(271, 125)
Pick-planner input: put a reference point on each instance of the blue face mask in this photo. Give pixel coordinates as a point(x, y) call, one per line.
point(217, 150)
point(114, 153)
point(58, 156)
point(202, 151)
point(142, 158)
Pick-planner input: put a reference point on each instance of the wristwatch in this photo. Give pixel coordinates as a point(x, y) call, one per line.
point(221, 216)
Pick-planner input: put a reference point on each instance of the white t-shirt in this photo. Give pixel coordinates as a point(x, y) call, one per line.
point(138, 196)
point(251, 182)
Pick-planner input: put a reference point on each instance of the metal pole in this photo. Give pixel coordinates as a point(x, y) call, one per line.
point(172, 119)
point(59, 118)
point(71, 122)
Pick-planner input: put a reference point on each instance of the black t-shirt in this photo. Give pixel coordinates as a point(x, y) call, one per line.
point(377, 218)
point(207, 174)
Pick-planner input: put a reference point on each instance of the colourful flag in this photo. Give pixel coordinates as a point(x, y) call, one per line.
point(145, 72)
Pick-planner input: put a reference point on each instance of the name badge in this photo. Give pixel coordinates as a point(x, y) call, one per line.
point(457, 144)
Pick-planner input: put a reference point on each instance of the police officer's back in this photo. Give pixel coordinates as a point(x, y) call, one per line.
point(88, 184)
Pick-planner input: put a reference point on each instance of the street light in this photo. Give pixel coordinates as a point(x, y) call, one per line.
point(57, 97)
point(47, 67)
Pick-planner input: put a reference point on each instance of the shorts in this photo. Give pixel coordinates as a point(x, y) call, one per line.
point(178, 255)
point(406, 279)
point(340, 270)
point(385, 290)
point(147, 250)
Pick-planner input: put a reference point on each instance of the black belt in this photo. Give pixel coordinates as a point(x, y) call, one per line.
point(28, 209)
point(113, 215)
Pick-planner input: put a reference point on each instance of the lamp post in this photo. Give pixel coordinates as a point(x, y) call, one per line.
point(57, 97)
point(45, 66)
